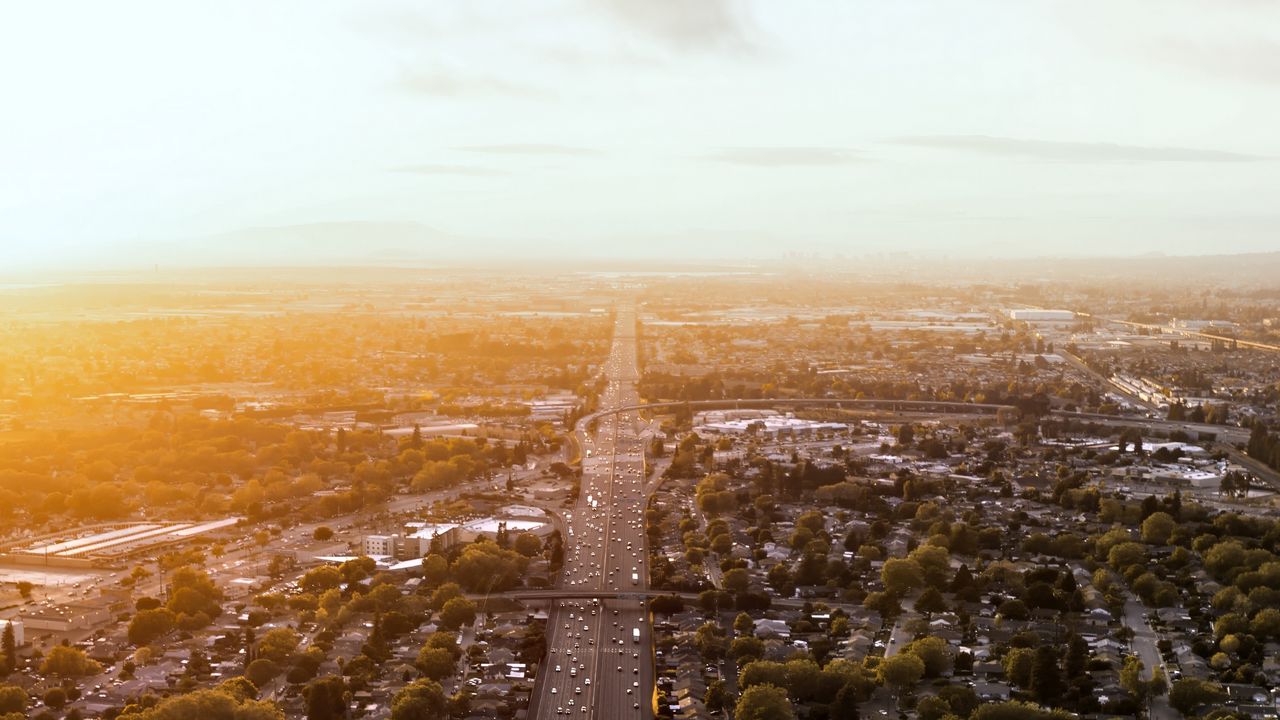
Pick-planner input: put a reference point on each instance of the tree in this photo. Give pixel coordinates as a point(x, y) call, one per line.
point(1189, 695)
point(906, 433)
point(901, 575)
point(1013, 609)
point(25, 588)
point(931, 601)
point(746, 649)
point(193, 593)
point(8, 650)
point(148, 625)
point(762, 672)
point(1266, 624)
point(206, 705)
point(901, 671)
point(240, 688)
point(419, 700)
point(934, 563)
point(436, 663)
point(1125, 555)
point(262, 671)
point(434, 569)
point(717, 697)
point(278, 644)
point(323, 533)
point(764, 702)
point(1077, 656)
point(1046, 678)
point(962, 700)
point(1158, 528)
point(326, 698)
point(68, 662)
point(321, 579)
point(934, 652)
point(736, 580)
point(803, 676)
point(667, 604)
point(444, 594)
point(1018, 664)
point(457, 612)
point(1017, 710)
point(13, 699)
point(845, 705)
point(743, 624)
point(55, 698)
point(711, 642)
point(528, 544)
point(932, 707)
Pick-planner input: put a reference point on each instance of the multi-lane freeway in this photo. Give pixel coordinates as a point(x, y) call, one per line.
point(600, 663)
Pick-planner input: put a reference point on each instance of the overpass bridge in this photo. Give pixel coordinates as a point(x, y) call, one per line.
point(690, 598)
point(931, 407)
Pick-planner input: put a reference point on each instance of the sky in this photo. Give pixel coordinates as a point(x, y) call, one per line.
point(183, 131)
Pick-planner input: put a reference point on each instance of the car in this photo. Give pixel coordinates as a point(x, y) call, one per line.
point(587, 681)
point(557, 668)
point(619, 668)
point(553, 691)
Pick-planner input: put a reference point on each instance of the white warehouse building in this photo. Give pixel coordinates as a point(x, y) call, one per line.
point(1042, 315)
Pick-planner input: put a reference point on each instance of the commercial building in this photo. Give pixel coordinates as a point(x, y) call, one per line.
point(416, 540)
point(106, 544)
point(761, 423)
point(1042, 316)
point(77, 614)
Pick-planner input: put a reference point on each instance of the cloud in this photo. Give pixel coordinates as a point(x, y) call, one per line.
point(576, 57)
point(786, 156)
point(447, 83)
point(1070, 151)
point(465, 170)
point(530, 149)
point(685, 25)
point(1252, 59)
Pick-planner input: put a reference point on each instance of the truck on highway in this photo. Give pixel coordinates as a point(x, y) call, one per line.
point(635, 635)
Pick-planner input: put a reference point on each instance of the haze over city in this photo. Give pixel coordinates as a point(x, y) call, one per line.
point(640, 360)
point(312, 132)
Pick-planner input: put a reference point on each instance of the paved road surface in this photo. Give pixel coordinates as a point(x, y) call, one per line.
point(1145, 647)
point(597, 668)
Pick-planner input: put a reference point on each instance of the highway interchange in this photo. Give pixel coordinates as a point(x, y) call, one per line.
point(600, 663)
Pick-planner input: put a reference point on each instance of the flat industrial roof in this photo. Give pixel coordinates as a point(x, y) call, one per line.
point(93, 539)
point(114, 541)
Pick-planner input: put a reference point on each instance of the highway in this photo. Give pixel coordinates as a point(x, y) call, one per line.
point(600, 650)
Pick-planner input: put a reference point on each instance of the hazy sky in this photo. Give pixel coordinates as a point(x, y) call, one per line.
point(634, 127)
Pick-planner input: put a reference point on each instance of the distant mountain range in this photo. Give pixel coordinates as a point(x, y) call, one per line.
point(415, 245)
point(326, 244)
